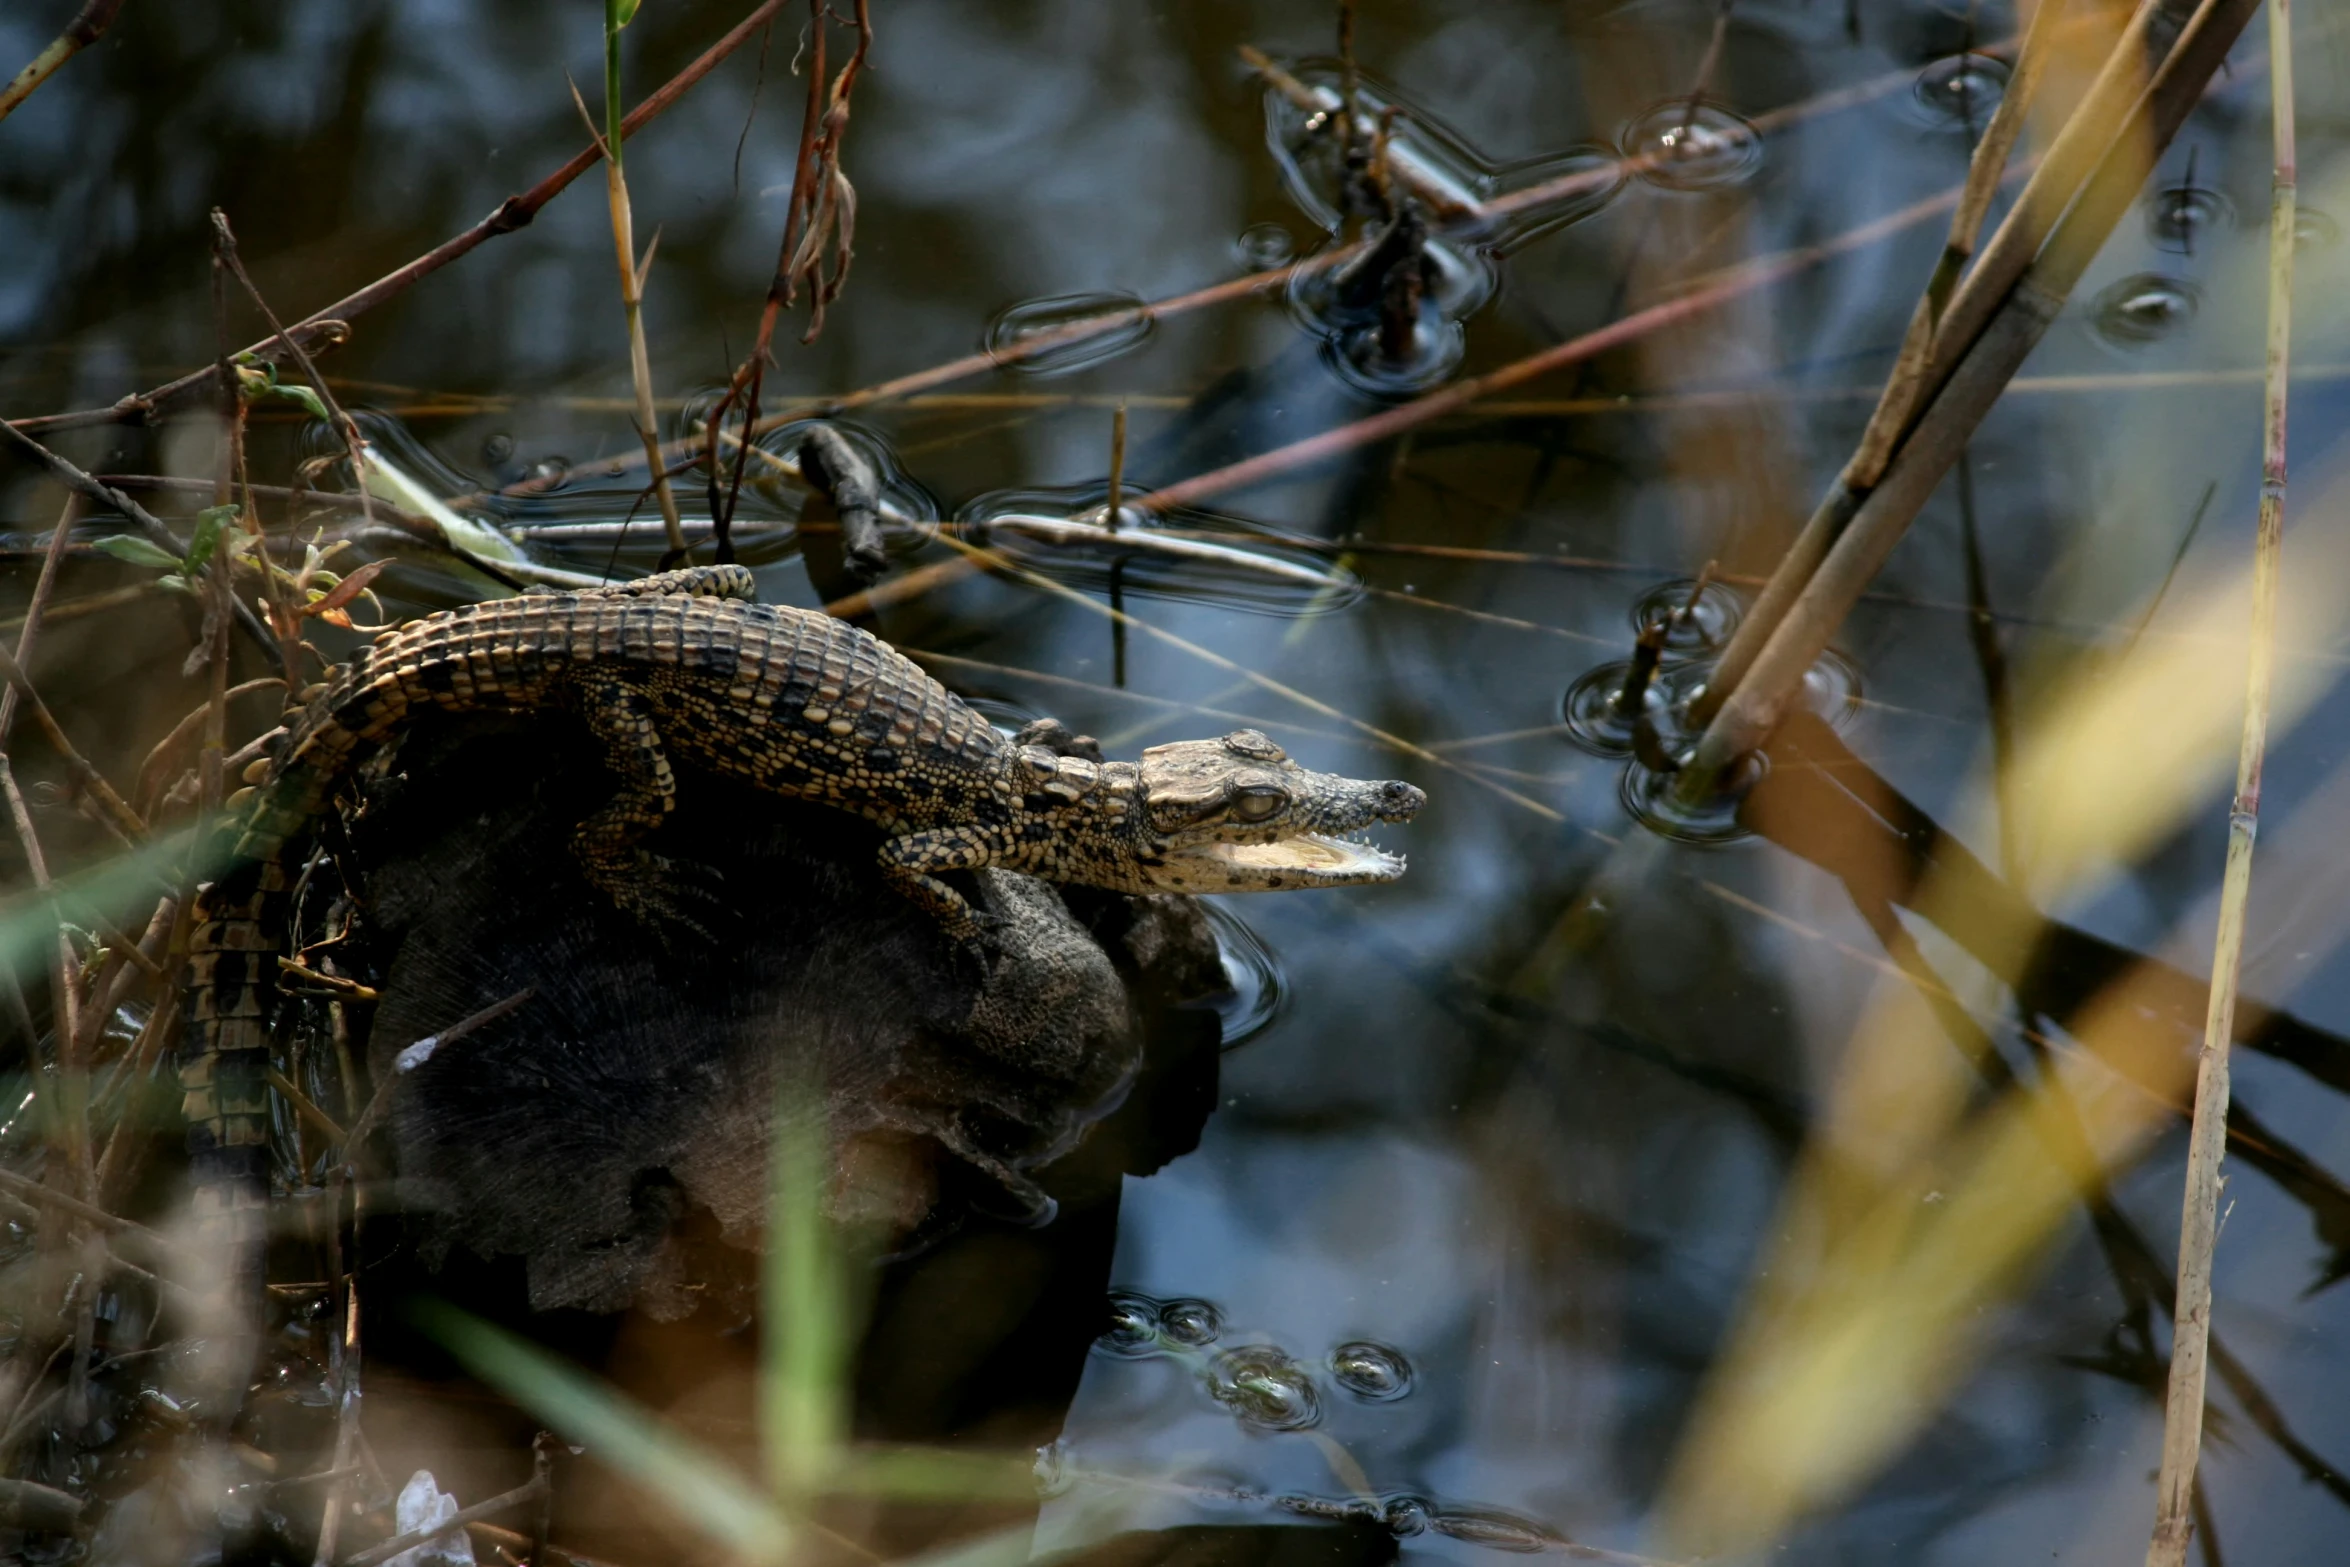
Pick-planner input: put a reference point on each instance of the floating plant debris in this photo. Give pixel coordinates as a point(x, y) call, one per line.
point(1264, 246)
point(1264, 1388)
point(1133, 1329)
point(1617, 708)
point(1493, 1529)
point(1185, 553)
point(1691, 628)
point(1406, 1516)
point(1141, 1326)
point(2178, 219)
point(1652, 795)
point(1390, 320)
point(1963, 89)
point(1368, 361)
point(1192, 1323)
point(1065, 332)
point(1597, 717)
point(2143, 308)
point(1692, 146)
point(1651, 788)
point(1372, 1372)
point(1465, 195)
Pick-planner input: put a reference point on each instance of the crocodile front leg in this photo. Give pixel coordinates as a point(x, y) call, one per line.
point(657, 890)
point(912, 862)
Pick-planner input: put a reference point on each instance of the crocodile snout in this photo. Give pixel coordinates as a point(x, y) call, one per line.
point(1399, 802)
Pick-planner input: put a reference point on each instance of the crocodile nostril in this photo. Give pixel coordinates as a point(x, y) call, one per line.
point(1400, 799)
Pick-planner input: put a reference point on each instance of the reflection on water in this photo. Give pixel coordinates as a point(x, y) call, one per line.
point(1257, 994)
point(1452, 1248)
point(1014, 333)
point(1963, 88)
point(2145, 308)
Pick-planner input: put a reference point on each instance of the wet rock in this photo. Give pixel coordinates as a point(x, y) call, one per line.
point(613, 1129)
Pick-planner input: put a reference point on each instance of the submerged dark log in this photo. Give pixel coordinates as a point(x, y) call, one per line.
point(636, 1087)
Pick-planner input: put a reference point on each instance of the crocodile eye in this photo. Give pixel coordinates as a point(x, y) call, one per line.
point(1172, 811)
point(1252, 744)
point(1257, 805)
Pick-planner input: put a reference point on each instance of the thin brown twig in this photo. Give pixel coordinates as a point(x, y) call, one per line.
point(74, 1023)
point(157, 534)
point(1985, 169)
point(1583, 182)
point(330, 1524)
point(113, 811)
point(1735, 283)
point(632, 276)
point(513, 213)
point(88, 25)
point(1395, 742)
point(1937, 332)
point(38, 605)
point(224, 241)
point(743, 387)
point(2199, 1220)
point(41, 1196)
point(821, 196)
point(380, 1103)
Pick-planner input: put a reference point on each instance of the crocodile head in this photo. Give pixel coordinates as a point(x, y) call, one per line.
point(1237, 815)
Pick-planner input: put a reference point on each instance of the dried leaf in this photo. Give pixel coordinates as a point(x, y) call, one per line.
point(328, 606)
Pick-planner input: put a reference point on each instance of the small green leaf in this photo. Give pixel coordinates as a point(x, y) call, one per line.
point(259, 381)
point(209, 523)
point(175, 582)
point(133, 550)
point(619, 13)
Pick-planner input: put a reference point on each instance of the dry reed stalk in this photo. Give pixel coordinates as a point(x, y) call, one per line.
point(1934, 329)
point(67, 1002)
point(88, 25)
point(989, 560)
point(1978, 375)
point(617, 15)
point(2182, 1426)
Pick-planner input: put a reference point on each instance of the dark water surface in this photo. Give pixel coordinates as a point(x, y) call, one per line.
point(1505, 1150)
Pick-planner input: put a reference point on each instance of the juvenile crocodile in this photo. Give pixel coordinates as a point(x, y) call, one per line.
point(683, 665)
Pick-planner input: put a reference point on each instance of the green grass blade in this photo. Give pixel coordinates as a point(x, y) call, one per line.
point(695, 1483)
point(936, 1474)
point(805, 1336)
point(28, 927)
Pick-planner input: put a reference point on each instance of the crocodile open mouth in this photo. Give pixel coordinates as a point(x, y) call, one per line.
point(1310, 857)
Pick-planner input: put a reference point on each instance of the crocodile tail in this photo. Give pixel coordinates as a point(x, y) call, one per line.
point(240, 919)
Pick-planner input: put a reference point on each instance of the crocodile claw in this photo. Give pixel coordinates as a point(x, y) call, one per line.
point(674, 899)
